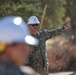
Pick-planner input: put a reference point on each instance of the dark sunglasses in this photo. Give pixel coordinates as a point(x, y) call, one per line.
point(34, 25)
point(13, 44)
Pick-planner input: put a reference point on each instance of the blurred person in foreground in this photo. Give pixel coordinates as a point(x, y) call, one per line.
point(15, 39)
point(38, 58)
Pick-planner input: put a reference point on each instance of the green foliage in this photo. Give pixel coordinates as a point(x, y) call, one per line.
point(71, 12)
point(55, 13)
point(23, 8)
point(53, 18)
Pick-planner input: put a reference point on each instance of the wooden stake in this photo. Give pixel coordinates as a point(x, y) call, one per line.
point(43, 16)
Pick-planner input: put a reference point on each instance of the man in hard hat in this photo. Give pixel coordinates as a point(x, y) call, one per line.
point(15, 39)
point(38, 58)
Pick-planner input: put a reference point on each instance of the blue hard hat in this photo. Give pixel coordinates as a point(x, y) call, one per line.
point(13, 29)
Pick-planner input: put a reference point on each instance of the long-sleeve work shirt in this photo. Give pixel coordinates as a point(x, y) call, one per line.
point(38, 58)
